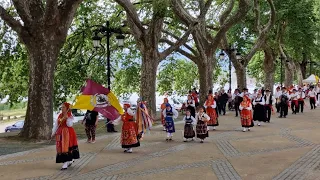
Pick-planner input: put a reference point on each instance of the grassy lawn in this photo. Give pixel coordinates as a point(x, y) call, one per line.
point(14, 112)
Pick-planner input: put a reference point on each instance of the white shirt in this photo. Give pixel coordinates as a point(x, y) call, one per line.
point(301, 95)
point(56, 125)
point(247, 94)
point(213, 106)
point(194, 121)
point(312, 93)
point(248, 108)
point(268, 99)
point(254, 95)
point(130, 112)
point(258, 99)
point(317, 89)
point(201, 117)
point(294, 96)
point(193, 104)
point(278, 94)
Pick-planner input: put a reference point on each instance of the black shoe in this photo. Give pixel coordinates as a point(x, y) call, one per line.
point(201, 141)
point(280, 117)
point(62, 169)
point(285, 116)
point(167, 139)
point(170, 139)
point(185, 141)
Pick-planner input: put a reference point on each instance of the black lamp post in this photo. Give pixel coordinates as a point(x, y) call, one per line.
point(107, 31)
point(229, 51)
point(310, 70)
point(281, 69)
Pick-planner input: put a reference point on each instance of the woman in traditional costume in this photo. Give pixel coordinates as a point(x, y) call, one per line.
point(163, 107)
point(129, 134)
point(190, 121)
point(66, 138)
point(143, 119)
point(246, 113)
point(170, 114)
point(210, 106)
point(191, 106)
point(259, 113)
point(202, 119)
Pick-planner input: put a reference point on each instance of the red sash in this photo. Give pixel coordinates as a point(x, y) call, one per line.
point(295, 102)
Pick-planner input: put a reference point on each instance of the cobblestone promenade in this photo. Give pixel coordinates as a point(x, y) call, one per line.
point(285, 149)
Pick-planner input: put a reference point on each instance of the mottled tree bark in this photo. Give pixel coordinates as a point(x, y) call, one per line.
point(269, 67)
point(289, 73)
point(241, 77)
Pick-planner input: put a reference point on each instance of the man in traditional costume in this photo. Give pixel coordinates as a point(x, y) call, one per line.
point(191, 106)
point(170, 114)
point(312, 97)
point(277, 96)
point(237, 100)
point(202, 119)
point(163, 107)
point(294, 101)
point(245, 92)
point(190, 121)
point(284, 103)
point(66, 138)
point(246, 114)
point(301, 97)
point(210, 106)
point(259, 113)
point(129, 134)
point(270, 102)
point(255, 94)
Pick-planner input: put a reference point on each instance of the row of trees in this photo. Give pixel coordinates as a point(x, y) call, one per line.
point(51, 42)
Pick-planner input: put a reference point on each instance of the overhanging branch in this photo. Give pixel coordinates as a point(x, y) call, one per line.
point(8, 19)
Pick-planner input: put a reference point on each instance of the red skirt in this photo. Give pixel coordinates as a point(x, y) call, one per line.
point(66, 144)
point(212, 113)
point(246, 118)
point(129, 135)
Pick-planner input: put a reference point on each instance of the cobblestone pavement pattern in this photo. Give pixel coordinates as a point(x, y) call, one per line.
point(285, 149)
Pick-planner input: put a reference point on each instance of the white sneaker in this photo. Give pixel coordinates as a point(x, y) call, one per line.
point(214, 128)
point(244, 130)
point(248, 129)
point(65, 166)
point(259, 124)
point(129, 150)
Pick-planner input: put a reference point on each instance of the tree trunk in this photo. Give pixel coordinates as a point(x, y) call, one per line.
point(241, 77)
point(299, 74)
point(43, 55)
point(269, 68)
point(289, 73)
point(205, 79)
point(148, 79)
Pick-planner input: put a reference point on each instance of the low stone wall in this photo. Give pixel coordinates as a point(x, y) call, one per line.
point(3, 118)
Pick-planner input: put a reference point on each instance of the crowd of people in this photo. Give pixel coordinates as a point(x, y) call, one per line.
point(199, 118)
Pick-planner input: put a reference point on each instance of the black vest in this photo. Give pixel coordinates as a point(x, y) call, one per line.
point(270, 99)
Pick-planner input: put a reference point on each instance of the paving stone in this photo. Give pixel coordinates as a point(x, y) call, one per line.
point(303, 166)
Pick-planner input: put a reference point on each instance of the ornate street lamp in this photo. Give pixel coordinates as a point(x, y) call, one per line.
point(230, 50)
point(107, 31)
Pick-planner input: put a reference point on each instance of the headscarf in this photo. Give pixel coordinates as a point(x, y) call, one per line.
point(127, 105)
point(248, 102)
point(165, 100)
point(68, 106)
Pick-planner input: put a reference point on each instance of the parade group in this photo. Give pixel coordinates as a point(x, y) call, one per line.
point(199, 119)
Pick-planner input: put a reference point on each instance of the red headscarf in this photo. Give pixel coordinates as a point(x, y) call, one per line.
point(248, 100)
point(127, 105)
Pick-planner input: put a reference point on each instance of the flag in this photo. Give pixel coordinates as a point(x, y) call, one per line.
point(95, 97)
point(143, 119)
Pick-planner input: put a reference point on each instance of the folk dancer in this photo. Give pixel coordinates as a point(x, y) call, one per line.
point(277, 96)
point(270, 102)
point(312, 97)
point(66, 138)
point(246, 114)
point(190, 121)
point(143, 120)
point(245, 92)
point(201, 128)
point(284, 103)
point(301, 97)
point(163, 107)
point(223, 101)
point(237, 100)
point(191, 106)
point(294, 101)
point(91, 121)
point(318, 93)
point(259, 113)
point(129, 134)
point(170, 114)
point(255, 94)
point(195, 96)
point(210, 106)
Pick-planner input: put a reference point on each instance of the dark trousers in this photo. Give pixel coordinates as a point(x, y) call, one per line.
point(268, 112)
point(283, 109)
point(300, 106)
point(278, 107)
point(110, 126)
point(312, 103)
point(236, 108)
point(294, 107)
point(223, 107)
point(219, 108)
point(91, 132)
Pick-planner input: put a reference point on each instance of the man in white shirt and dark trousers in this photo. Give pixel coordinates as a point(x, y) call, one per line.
point(294, 101)
point(312, 97)
point(237, 100)
point(277, 96)
point(284, 99)
point(270, 102)
point(301, 97)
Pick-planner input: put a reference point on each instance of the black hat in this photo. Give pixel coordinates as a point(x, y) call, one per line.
point(245, 89)
point(267, 90)
point(283, 88)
